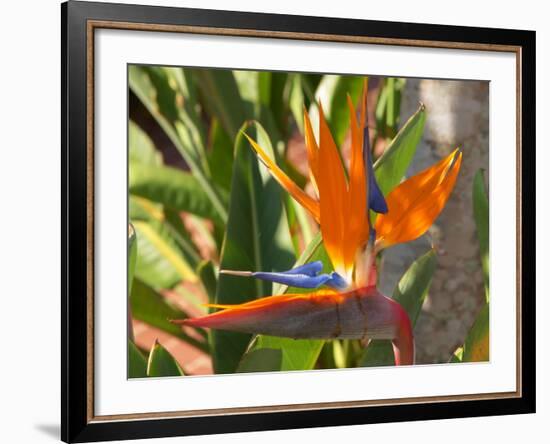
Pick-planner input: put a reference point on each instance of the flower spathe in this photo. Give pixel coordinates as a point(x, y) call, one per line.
point(362, 313)
point(352, 308)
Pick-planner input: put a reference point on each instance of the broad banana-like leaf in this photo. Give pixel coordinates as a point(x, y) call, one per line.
point(221, 97)
point(262, 360)
point(140, 146)
point(173, 188)
point(174, 114)
point(162, 363)
point(390, 168)
point(160, 262)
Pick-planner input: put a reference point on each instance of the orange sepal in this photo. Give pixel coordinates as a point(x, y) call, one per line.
point(312, 150)
point(414, 205)
point(295, 191)
point(357, 221)
point(333, 191)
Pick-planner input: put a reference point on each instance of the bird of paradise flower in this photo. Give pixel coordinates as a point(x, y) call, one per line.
point(344, 304)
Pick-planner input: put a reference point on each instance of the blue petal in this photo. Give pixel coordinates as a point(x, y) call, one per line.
point(294, 280)
point(376, 202)
point(304, 276)
point(309, 269)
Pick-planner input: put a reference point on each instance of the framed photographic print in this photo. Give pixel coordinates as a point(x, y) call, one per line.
point(276, 221)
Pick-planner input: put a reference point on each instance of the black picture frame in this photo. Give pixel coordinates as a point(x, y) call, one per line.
point(77, 425)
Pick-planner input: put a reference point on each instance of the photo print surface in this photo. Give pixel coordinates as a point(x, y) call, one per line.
point(283, 221)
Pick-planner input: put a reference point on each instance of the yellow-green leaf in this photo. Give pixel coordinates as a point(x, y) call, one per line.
point(160, 262)
point(476, 346)
point(173, 188)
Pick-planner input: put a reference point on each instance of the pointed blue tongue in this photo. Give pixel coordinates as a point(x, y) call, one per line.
point(376, 201)
point(304, 276)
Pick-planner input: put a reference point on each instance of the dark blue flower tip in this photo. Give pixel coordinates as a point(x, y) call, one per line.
point(376, 201)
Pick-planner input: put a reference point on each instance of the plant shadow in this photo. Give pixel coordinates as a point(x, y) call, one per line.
point(51, 430)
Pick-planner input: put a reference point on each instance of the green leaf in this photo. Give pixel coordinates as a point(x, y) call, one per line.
point(167, 222)
point(390, 168)
point(221, 97)
point(299, 223)
point(173, 224)
point(220, 155)
point(278, 102)
point(378, 353)
point(132, 255)
point(410, 292)
point(250, 87)
point(476, 346)
point(150, 307)
point(388, 107)
point(297, 354)
point(412, 289)
point(265, 81)
point(162, 363)
point(207, 275)
point(155, 90)
point(257, 238)
point(457, 355)
point(160, 262)
point(297, 101)
point(481, 216)
point(339, 353)
point(332, 94)
point(262, 360)
point(173, 188)
point(140, 146)
point(143, 209)
point(137, 364)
